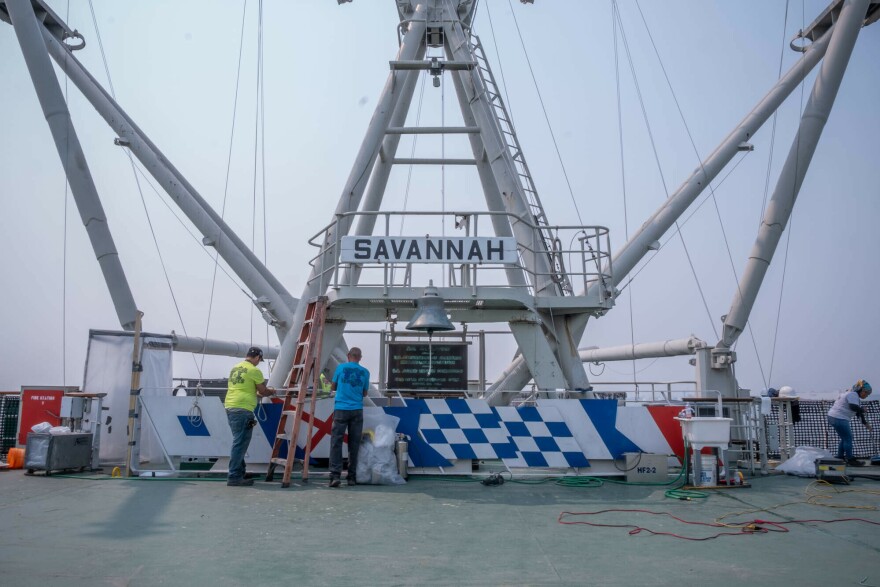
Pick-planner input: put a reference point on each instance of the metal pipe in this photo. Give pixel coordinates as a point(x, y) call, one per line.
point(207, 346)
point(778, 211)
point(217, 233)
point(432, 130)
point(516, 376)
point(382, 169)
point(500, 223)
point(429, 161)
point(354, 188)
point(672, 209)
point(646, 350)
point(82, 186)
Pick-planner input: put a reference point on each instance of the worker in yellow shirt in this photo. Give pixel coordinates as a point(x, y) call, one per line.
point(326, 386)
point(246, 383)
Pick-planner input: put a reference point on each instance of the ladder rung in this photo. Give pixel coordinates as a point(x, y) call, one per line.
point(279, 461)
point(282, 437)
point(288, 412)
point(425, 130)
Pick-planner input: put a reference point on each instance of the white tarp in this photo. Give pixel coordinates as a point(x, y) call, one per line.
point(108, 370)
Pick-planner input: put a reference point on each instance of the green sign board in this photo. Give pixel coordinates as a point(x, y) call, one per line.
point(408, 366)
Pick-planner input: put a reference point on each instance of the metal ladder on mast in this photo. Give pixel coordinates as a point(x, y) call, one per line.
point(508, 133)
point(305, 372)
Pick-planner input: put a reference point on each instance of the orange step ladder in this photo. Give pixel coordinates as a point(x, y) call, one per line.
point(304, 374)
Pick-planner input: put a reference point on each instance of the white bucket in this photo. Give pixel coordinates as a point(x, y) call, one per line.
point(707, 471)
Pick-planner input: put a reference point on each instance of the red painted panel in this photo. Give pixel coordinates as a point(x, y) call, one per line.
point(38, 405)
point(664, 416)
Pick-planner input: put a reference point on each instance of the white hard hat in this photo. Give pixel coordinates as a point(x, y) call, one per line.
point(786, 391)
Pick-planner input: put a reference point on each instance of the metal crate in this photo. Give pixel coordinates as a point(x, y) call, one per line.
point(47, 452)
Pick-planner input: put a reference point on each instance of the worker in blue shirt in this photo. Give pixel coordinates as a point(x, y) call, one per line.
point(350, 382)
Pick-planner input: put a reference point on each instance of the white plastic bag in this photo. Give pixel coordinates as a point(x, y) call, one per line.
point(41, 428)
point(803, 463)
point(377, 464)
point(56, 430)
point(383, 436)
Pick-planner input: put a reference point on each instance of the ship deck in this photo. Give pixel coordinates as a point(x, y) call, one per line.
point(96, 531)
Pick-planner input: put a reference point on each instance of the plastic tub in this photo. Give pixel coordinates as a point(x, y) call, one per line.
point(15, 458)
point(705, 431)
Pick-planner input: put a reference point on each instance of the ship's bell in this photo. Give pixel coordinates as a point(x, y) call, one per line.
point(430, 316)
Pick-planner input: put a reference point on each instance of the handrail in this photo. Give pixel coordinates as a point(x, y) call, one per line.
point(588, 249)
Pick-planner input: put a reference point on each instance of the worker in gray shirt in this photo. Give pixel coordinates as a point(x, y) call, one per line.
point(848, 405)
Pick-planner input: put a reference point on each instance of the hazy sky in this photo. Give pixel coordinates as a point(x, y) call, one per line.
point(173, 65)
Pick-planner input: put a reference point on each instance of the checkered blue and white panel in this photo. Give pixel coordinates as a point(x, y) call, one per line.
point(542, 438)
point(464, 429)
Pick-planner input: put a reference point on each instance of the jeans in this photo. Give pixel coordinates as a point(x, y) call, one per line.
point(241, 422)
point(844, 430)
point(353, 420)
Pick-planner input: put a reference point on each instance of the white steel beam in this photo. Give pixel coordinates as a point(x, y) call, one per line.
point(665, 217)
point(645, 350)
point(353, 191)
point(225, 348)
point(270, 294)
point(82, 186)
point(494, 201)
point(778, 211)
point(536, 351)
point(501, 163)
point(516, 376)
point(382, 168)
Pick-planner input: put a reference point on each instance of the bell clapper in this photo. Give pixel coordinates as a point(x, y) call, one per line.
point(429, 354)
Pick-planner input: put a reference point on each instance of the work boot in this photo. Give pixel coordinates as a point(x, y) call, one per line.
point(853, 462)
point(351, 480)
point(335, 482)
point(240, 482)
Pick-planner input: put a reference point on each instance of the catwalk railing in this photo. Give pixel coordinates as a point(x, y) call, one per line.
point(583, 252)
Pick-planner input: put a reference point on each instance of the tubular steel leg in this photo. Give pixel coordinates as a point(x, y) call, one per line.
point(85, 194)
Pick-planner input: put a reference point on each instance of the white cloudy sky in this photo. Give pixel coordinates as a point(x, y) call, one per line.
point(173, 65)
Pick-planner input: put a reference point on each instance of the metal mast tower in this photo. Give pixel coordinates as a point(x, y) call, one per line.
point(546, 292)
point(541, 296)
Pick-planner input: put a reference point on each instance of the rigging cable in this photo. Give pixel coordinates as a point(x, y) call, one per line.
point(263, 167)
point(659, 167)
point(198, 240)
point(632, 334)
point(500, 66)
point(442, 187)
point(681, 224)
point(228, 169)
point(257, 131)
point(775, 115)
point(64, 237)
point(790, 221)
point(412, 154)
point(139, 188)
point(709, 184)
point(645, 368)
point(546, 117)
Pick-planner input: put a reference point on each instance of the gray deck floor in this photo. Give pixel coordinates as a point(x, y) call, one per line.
point(62, 531)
